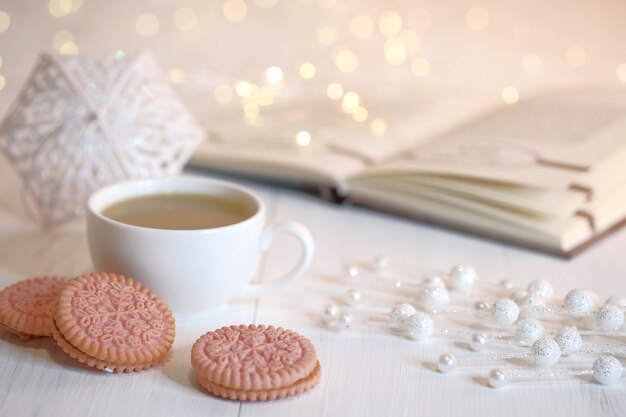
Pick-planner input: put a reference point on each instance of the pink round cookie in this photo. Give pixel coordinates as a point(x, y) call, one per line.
point(26, 306)
point(113, 323)
point(255, 363)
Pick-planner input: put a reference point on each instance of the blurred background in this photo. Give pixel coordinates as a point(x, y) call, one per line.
point(220, 54)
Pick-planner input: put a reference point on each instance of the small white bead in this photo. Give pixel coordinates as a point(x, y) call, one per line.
point(507, 284)
point(481, 308)
point(505, 311)
point(578, 303)
point(433, 298)
point(607, 370)
point(569, 340)
point(354, 296)
point(545, 352)
point(617, 300)
point(434, 281)
point(446, 363)
point(331, 310)
point(497, 378)
point(381, 262)
point(352, 271)
point(462, 278)
point(609, 318)
point(345, 320)
point(541, 287)
point(478, 342)
point(401, 312)
point(528, 331)
point(419, 326)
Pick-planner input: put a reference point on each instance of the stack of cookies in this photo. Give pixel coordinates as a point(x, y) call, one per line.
point(255, 363)
point(106, 321)
point(114, 324)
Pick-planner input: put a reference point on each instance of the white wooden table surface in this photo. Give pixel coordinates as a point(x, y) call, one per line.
point(363, 374)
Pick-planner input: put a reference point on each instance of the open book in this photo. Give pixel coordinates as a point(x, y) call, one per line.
point(548, 172)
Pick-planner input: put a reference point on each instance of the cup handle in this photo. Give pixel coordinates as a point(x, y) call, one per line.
point(308, 247)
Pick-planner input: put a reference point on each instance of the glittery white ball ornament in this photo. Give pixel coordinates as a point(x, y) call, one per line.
point(419, 326)
point(505, 311)
point(607, 370)
point(433, 298)
point(462, 278)
point(609, 318)
point(531, 304)
point(401, 312)
point(528, 331)
point(541, 287)
point(569, 340)
point(578, 302)
point(617, 300)
point(545, 352)
point(497, 378)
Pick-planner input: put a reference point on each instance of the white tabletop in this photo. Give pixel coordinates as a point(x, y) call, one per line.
point(362, 374)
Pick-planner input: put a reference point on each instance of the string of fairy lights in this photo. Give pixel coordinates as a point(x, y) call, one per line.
point(401, 36)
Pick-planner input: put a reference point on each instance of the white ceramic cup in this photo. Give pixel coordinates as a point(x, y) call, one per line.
point(194, 271)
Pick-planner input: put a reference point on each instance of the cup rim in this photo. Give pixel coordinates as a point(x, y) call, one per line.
point(151, 182)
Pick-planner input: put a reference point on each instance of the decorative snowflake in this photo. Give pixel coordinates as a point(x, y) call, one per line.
point(37, 296)
point(118, 314)
point(85, 121)
point(269, 349)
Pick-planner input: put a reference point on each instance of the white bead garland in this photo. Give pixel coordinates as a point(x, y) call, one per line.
point(514, 318)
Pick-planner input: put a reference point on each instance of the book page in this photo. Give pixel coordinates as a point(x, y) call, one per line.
point(335, 146)
point(512, 198)
point(556, 140)
point(557, 235)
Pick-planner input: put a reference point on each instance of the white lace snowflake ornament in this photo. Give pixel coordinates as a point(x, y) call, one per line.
point(85, 121)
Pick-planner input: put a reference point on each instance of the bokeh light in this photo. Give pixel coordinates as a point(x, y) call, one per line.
point(177, 76)
point(420, 67)
point(346, 60)
point(274, 75)
point(234, 10)
point(307, 70)
point(477, 18)
point(390, 24)
point(334, 91)
point(378, 126)
point(303, 138)
point(395, 53)
point(147, 25)
point(510, 95)
point(185, 19)
point(5, 21)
